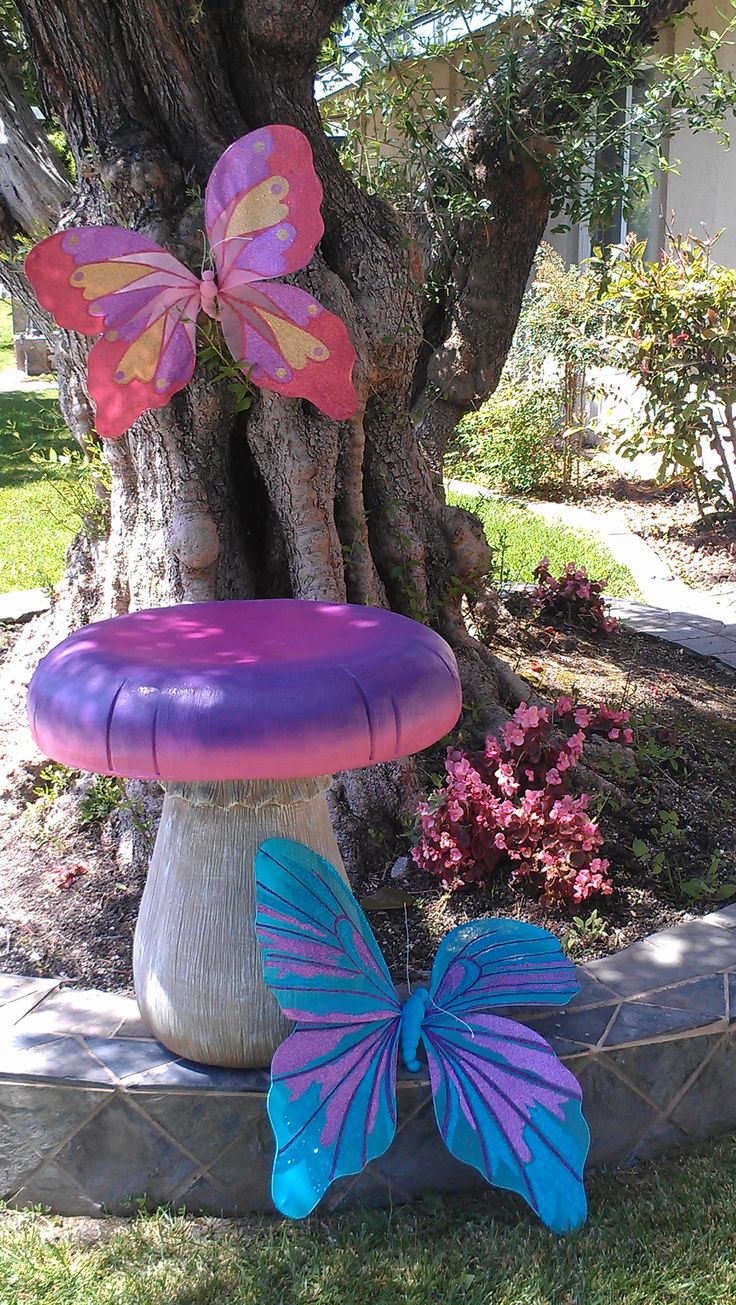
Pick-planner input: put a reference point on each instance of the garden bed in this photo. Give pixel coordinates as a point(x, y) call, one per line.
point(57, 921)
point(703, 554)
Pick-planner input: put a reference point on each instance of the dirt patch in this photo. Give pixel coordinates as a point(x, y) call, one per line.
point(700, 552)
point(55, 920)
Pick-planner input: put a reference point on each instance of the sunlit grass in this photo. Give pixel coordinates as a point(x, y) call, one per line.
point(520, 538)
point(7, 353)
point(38, 510)
point(658, 1235)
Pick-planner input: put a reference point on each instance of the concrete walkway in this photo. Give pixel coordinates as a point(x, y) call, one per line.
point(672, 610)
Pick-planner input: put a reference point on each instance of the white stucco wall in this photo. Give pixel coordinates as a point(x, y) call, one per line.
point(705, 189)
point(701, 196)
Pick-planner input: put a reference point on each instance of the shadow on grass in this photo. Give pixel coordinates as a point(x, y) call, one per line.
point(30, 423)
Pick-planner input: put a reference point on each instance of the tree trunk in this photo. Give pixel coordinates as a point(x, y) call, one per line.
point(209, 503)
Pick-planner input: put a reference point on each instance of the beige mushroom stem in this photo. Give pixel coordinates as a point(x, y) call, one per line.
point(196, 959)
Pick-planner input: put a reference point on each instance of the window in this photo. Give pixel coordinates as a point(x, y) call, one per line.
point(646, 218)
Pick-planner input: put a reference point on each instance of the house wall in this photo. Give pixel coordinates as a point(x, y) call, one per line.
point(702, 194)
point(704, 191)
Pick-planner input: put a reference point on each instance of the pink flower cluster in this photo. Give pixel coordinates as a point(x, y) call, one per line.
point(572, 597)
point(511, 804)
point(604, 720)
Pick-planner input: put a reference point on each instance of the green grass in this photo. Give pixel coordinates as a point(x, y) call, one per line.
point(658, 1235)
point(7, 352)
point(519, 539)
point(39, 506)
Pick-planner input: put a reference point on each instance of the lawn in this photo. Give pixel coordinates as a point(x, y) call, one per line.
point(7, 353)
point(40, 508)
point(658, 1235)
point(39, 505)
point(520, 538)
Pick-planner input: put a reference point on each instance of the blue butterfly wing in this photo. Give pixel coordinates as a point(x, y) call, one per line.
point(500, 963)
point(332, 1100)
point(320, 958)
point(506, 1104)
point(332, 1106)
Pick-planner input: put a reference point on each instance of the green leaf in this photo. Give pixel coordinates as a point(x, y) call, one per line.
point(640, 849)
point(724, 891)
point(694, 888)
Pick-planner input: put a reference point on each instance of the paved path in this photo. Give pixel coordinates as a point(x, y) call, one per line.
point(672, 610)
point(11, 379)
point(22, 603)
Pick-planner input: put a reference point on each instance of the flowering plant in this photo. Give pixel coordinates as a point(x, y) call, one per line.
point(572, 597)
point(511, 805)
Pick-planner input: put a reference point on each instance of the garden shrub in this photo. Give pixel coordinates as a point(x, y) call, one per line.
point(509, 441)
point(674, 331)
point(510, 809)
point(529, 433)
point(573, 598)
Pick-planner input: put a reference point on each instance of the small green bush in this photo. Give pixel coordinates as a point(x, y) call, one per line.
point(510, 441)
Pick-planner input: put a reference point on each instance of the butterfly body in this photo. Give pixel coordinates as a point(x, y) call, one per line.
point(412, 1019)
point(208, 295)
point(503, 1101)
point(262, 219)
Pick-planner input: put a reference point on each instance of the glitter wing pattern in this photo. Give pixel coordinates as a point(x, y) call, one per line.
point(262, 217)
point(107, 279)
point(503, 1101)
point(332, 1101)
point(262, 213)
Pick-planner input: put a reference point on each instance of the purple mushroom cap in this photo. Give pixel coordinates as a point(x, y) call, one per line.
point(262, 689)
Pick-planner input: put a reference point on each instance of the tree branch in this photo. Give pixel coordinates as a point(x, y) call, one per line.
point(482, 265)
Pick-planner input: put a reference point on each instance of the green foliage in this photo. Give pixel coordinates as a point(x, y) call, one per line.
point(584, 932)
point(519, 538)
point(559, 337)
point(675, 333)
point(53, 780)
point(654, 855)
point(105, 796)
point(509, 441)
point(529, 433)
point(222, 366)
point(395, 77)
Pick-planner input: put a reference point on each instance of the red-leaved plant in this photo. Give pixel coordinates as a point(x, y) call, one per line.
point(573, 598)
point(510, 804)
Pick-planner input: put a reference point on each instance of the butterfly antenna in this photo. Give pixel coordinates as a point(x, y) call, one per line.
point(406, 949)
point(452, 1016)
point(205, 251)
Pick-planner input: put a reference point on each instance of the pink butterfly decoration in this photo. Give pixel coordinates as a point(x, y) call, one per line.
point(262, 218)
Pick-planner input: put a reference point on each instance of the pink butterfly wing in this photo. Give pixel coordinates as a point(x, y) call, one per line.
point(108, 279)
point(264, 182)
point(289, 343)
point(262, 213)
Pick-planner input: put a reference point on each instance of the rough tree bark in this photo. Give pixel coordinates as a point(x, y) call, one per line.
point(209, 504)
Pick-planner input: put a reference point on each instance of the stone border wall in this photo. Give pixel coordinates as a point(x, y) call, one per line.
point(96, 1116)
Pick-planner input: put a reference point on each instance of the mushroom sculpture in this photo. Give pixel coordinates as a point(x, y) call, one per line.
point(243, 711)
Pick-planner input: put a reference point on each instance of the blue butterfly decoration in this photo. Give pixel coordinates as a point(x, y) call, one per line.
point(502, 1099)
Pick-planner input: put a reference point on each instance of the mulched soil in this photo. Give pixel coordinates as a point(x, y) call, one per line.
point(683, 761)
point(702, 553)
point(82, 927)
